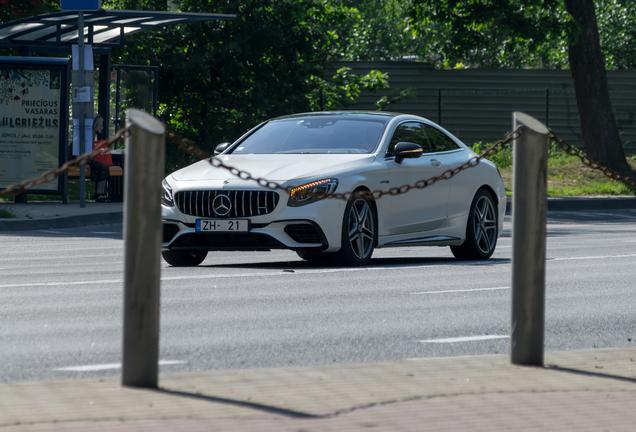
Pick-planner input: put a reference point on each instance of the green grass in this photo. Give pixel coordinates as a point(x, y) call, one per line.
point(7, 212)
point(567, 176)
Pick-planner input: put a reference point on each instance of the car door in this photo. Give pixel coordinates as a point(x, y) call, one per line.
point(417, 210)
point(453, 155)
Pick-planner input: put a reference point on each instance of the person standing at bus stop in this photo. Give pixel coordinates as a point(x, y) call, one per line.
point(100, 172)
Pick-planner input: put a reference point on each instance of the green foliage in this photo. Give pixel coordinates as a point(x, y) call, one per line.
point(503, 159)
point(517, 33)
point(382, 31)
point(217, 79)
point(344, 87)
point(494, 33)
point(617, 31)
point(7, 212)
point(557, 157)
point(11, 10)
point(605, 188)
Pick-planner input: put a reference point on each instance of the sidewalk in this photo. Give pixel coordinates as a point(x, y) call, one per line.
point(591, 390)
point(37, 215)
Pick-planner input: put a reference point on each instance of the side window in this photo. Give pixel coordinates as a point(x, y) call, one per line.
point(410, 132)
point(440, 142)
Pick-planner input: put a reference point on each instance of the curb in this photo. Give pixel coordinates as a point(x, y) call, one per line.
point(63, 222)
point(585, 204)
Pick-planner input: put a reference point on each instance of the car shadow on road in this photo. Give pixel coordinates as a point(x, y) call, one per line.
point(397, 262)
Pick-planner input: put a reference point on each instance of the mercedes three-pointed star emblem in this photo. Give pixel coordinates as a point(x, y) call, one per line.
point(222, 205)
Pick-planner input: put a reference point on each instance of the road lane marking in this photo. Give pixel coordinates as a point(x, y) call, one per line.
point(107, 366)
point(298, 272)
point(465, 339)
point(276, 272)
point(461, 290)
point(592, 257)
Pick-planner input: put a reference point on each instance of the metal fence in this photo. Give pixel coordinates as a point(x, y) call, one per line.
point(475, 104)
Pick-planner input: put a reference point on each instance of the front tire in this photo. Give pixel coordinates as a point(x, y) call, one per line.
point(358, 233)
point(481, 230)
point(184, 258)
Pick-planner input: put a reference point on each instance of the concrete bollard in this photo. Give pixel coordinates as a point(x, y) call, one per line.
point(144, 170)
point(529, 213)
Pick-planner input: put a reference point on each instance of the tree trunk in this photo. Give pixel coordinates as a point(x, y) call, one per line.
point(600, 133)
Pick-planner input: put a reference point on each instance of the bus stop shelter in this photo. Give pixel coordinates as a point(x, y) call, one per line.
point(57, 33)
point(104, 30)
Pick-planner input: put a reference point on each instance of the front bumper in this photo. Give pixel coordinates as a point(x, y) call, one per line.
point(316, 226)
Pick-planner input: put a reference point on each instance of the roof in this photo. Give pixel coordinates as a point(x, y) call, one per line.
point(365, 115)
point(102, 28)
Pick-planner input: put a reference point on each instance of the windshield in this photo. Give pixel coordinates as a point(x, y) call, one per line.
point(320, 134)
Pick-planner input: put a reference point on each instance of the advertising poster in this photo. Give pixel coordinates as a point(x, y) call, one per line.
point(31, 122)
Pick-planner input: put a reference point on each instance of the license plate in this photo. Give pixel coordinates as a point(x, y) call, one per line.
point(222, 225)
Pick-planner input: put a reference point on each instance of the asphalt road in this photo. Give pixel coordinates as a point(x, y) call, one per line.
point(61, 308)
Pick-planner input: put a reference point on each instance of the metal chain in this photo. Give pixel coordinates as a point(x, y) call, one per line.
point(190, 148)
point(49, 176)
point(572, 151)
point(421, 184)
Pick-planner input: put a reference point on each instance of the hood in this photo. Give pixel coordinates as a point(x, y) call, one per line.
point(275, 167)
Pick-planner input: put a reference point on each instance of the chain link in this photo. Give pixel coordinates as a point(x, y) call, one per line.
point(421, 184)
point(191, 149)
point(610, 173)
point(49, 176)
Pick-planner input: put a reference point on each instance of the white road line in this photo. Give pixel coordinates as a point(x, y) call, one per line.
point(592, 257)
point(465, 339)
point(296, 272)
point(107, 366)
point(462, 290)
point(230, 275)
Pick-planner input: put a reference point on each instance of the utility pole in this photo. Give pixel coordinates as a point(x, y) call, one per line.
point(82, 87)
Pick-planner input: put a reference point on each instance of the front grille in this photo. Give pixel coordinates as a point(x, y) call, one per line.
point(304, 233)
point(242, 203)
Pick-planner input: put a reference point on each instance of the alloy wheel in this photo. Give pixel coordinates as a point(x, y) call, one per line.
point(485, 220)
point(361, 229)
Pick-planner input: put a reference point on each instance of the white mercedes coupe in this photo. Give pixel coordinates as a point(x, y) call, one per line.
point(313, 155)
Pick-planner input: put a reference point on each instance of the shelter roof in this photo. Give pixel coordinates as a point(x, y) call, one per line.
point(102, 28)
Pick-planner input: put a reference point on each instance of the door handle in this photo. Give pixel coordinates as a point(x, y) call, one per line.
point(436, 163)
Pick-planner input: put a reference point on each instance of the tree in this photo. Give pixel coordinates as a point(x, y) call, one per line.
point(344, 87)
point(617, 32)
point(11, 10)
point(220, 78)
point(382, 31)
point(492, 33)
point(600, 133)
point(532, 33)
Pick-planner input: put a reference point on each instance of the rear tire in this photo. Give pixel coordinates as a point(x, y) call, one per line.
point(481, 230)
point(184, 258)
point(358, 234)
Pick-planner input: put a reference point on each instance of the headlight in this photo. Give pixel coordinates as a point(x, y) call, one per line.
point(311, 192)
point(166, 196)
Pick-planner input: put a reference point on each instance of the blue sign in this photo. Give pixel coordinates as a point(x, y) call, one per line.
point(90, 5)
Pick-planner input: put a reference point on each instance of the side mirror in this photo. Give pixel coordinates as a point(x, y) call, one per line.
point(221, 148)
point(407, 150)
